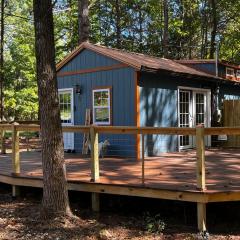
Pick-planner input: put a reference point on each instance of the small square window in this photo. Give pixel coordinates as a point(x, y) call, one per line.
point(102, 106)
point(230, 73)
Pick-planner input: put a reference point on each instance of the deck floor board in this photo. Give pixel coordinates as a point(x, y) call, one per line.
point(174, 171)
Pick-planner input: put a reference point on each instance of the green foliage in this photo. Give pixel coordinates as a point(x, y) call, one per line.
point(141, 26)
point(20, 86)
point(154, 224)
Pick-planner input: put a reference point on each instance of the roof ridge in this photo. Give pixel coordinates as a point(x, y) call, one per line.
point(131, 52)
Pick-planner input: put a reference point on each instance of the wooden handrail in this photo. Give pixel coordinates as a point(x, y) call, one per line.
point(222, 131)
point(145, 130)
point(131, 129)
point(7, 127)
point(28, 127)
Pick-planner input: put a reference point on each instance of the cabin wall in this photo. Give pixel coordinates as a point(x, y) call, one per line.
point(210, 68)
point(88, 59)
point(159, 105)
point(123, 88)
point(205, 67)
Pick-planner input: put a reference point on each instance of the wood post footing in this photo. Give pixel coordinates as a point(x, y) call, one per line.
point(15, 191)
point(201, 217)
point(95, 202)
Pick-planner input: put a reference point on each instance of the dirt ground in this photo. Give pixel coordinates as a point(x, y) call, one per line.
point(19, 219)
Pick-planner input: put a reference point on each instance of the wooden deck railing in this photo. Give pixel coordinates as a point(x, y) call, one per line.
point(199, 132)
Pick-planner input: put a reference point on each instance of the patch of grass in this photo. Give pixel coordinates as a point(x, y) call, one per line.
point(154, 223)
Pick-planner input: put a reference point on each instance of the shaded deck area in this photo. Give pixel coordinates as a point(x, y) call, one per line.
point(170, 171)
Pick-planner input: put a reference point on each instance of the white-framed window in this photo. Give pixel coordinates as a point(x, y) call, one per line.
point(238, 74)
point(66, 105)
point(229, 72)
point(101, 106)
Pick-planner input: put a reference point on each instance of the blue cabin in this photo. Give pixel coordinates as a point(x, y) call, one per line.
point(129, 89)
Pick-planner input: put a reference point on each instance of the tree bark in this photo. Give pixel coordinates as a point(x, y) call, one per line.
point(118, 26)
point(83, 21)
point(165, 31)
point(214, 29)
point(55, 195)
point(2, 59)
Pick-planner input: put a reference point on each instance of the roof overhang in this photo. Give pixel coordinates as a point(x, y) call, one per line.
point(214, 79)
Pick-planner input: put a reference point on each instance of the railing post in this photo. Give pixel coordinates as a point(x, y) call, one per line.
point(3, 144)
point(15, 157)
point(94, 155)
point(15, 150)
point(200, 145)
point(143, 160)
point(201, 173)
point(94, 167)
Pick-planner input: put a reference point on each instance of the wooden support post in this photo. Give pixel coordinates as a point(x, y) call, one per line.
point(200, 145)
point(15, 191)
point(201, 215)
point(201, 180)
point(94, 155)
point(27, 142)
point(143, 161)
point(95, 202)
point(3, 144)
point(15, 157)
point(94, 167)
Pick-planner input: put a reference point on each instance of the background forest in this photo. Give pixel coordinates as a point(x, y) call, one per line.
point(176, 29)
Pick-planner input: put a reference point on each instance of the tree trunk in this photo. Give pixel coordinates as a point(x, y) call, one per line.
point(55, 195)
point(83, 21)
point(165, 31)
point(140, 22)
point(214, 29)
point(118, 26)
point(2, 59)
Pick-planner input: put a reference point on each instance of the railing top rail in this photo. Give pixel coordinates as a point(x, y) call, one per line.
point(222, 131)
point(5, 126)
point(36, 127)
point(28, 127)
point(145, 130)
point(131, 129)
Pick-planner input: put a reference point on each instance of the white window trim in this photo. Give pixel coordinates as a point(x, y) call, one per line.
point(229, 69)
point(64, 90)
point(238, 74)
point(109, 106)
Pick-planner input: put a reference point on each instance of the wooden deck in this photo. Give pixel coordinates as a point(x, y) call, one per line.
point(171, 171)
point(203, 176)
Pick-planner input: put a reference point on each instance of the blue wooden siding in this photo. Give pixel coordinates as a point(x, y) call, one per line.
point(159, 106)
point(88, 59)
point(205, 67)
point(123, 97)
point(210, 68)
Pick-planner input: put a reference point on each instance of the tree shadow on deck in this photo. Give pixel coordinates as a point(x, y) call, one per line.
point(168, 171)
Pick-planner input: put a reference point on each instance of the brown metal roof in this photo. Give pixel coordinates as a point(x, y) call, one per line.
point(136, 60)
point(196, 61)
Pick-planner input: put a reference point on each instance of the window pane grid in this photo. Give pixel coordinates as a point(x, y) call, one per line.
point(65, 107)
point(184, 114)
point(101, 106)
